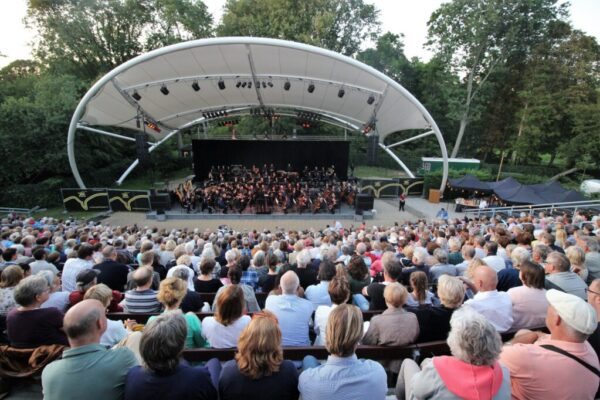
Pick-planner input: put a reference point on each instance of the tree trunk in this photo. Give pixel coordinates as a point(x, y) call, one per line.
point(552, 157)
point(461, 132)
point(519, 133)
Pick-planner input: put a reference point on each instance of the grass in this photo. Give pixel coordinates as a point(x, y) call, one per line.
point(149, 182)
point(59, 213)
point(364, 171)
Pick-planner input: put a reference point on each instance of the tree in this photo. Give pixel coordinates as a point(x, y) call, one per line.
point(477, 36)
point(338, 25)
point(388, 57)
point(89, 37)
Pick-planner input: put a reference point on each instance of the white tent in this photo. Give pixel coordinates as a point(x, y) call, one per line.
point(176, 86)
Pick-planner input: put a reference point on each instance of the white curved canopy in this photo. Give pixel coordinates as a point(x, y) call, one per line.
point(270, 65)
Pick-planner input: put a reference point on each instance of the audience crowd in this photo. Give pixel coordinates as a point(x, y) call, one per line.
point(533, 281)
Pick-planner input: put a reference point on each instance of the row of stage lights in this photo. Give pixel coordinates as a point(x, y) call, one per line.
point(248, 84)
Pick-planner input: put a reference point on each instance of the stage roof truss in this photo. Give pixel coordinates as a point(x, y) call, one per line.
point(174, 85)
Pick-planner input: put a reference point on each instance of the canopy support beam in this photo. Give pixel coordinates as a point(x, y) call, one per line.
point(398, 160)
point(114, 135)
point(422, 135)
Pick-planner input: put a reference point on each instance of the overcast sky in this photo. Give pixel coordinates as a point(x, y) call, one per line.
point(399, 16)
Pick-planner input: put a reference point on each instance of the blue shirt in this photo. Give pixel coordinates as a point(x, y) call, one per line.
point(294, 314)
point(249, 278)
point(318, 294)
point(344, 378)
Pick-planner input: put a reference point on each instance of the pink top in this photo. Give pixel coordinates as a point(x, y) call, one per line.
point(538, 373)
point(529, 307)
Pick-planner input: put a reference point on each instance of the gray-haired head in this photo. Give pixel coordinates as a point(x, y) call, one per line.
point(441, 256)
point(472, 338)
point(27, 291)
point(289, 282)
point(48, 276)
point(259, 259)
point(163, 341)
point(182, 273)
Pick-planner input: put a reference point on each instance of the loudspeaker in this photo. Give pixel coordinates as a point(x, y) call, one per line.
point(364, 202)
point(372, 149)
point(160, 202)
point(141, 148)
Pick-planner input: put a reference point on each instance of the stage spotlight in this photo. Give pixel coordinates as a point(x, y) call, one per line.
point(311, 88)
point(270, 84)
point(244, 84)
point(221, 84)
point(370, 100)
point(287, 85)
point(164, 90)
point(249, 85)
point(195, 86)
point(237, 85)
point(341, 93)
point(136, 95)
point(264, 85)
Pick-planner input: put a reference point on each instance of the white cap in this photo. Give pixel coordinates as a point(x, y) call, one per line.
point(578, 314)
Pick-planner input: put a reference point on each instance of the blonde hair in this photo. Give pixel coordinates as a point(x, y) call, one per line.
point(184, 260)
point(172, 291)
point(259, 346)
point(408, 251)
point(451, 291)
point(344, 330)
point(99, 292)
point(475, 263)
point(575, 255)
point(395, 294)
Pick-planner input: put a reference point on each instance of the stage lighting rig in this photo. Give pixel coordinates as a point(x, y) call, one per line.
point(136, 95)
point(164, 90)
point(287, 85)
point(195, 86)
point(311, 88)
point(221, 84)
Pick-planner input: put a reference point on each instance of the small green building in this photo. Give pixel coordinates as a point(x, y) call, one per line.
point(431, 164)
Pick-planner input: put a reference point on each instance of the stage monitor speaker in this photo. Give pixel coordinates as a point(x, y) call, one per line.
point(364, 202)
point(141, 148)
point(372, 149)
point(160, 202)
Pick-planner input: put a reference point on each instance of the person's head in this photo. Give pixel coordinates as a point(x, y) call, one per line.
point(339, 289)
point(576, 255)
point(532, 275)
point(569, 317)
point(326, 271)
point(207, 266)
point(593, 295)
point(518, 256)
point(472, 338)
point(31, 291)
point(11, 276)
point(171, 292)
point(39, 253)
point(85, 252)
point(259, 259)
point(441, 256)
point(109, 253)
point(86, 279)
point(147, 258)
point(451, 291)
point(289, 283)
point(491, 248)
point(392, 269)
point(142, 277)
point(468, 252)
point(235, 275)
point(85, 323)
point(259, 346)
point(419, 256)
point(556, 262)
point(418, 283)
point(100, 292)
point(589, 244)
point(539, 253)
point(162, 342)
point(230, 305)
point(395, 295)
point(344, 330)
point(485, 278)
point(357, 268)
point(303, 258)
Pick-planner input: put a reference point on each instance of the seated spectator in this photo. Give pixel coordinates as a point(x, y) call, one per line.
point(57, 298)
point(472, 372)
point(454, 255)
point(529, 301)
point(434, 322)
point(591, 247)
point(115, 330)
point(266, 283)
point(10, 277)
point(559, 276)
point(171, 293)
point(395, 326)
point(468, 253)
point(492, 259)
point(358, 274)
point(259, 264)
point(40, 263)
point(29, 326)
point(259, 370)
point(192, 301)
point(343, 376)
point(509, 277)
point(147, 260)
point(495, 306)
point(249, 277)
point(550, 366)
point(234, 275)
point(142, 299)
point(112, 273)
point(318, 294)
point(307, 273)
point(223, 330)
point(164, 375)
point(85, 280)
point(420, 295)
point(183, 263)
point(74, 266)
point(293, 313)
point(441, 266)
point(576, 257)
point(392, 270)
point(419, 258)
point(87, 369)
point(205, 282)
point(339, 292)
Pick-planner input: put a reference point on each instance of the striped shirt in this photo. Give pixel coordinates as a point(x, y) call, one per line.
point(141, 301)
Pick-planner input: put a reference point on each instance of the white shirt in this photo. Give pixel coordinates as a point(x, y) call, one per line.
point(495, 306)
point(223, 337)
point(321, 316)
point(190, 280)
point(529, 307)
point(495, 262)
point(115, 332)
point(73, 266)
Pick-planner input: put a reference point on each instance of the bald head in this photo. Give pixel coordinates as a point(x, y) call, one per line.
point(289, 283)
point(486, 278)
point(85, 323)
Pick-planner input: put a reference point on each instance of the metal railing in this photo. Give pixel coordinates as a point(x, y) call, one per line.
point(15, 210)
point(572, 206)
